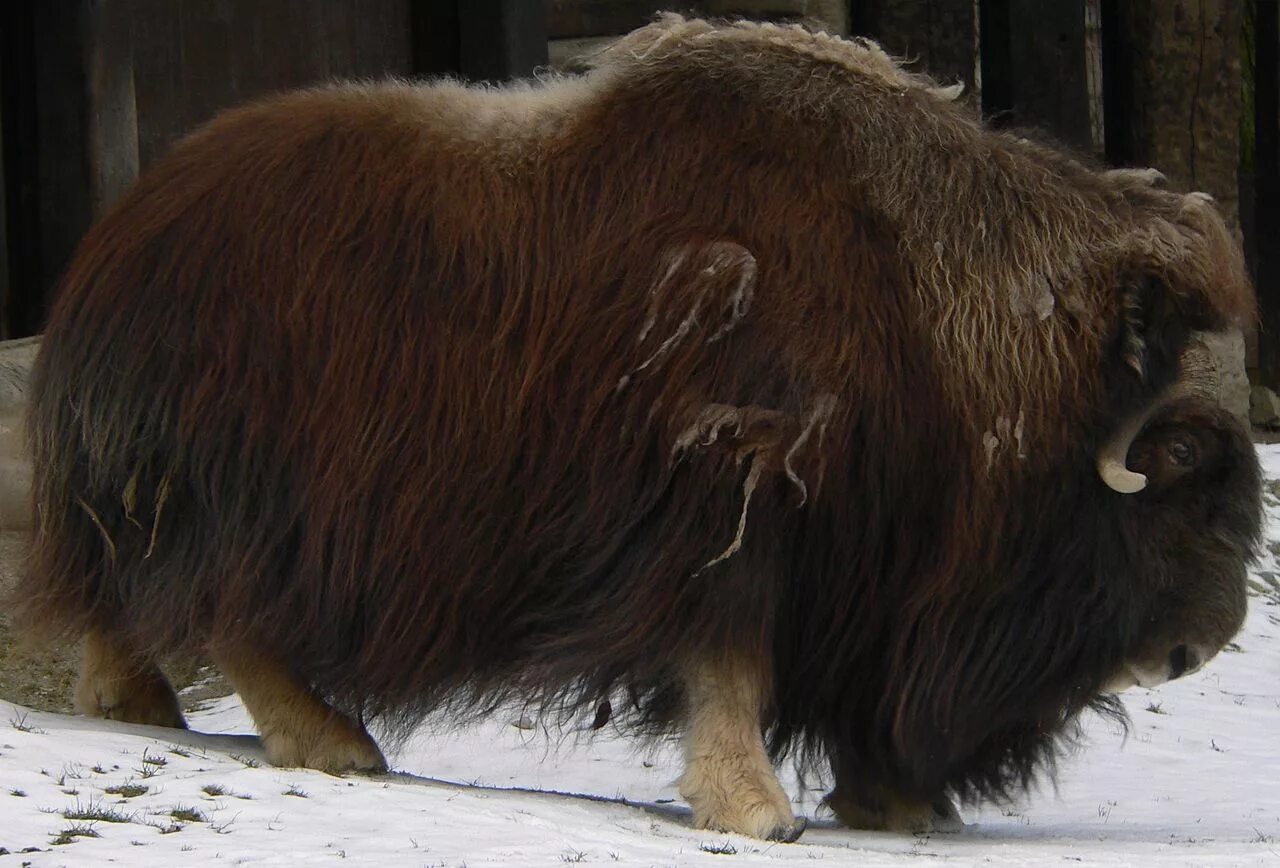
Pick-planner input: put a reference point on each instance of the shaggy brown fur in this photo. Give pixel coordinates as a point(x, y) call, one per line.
point(747, 345)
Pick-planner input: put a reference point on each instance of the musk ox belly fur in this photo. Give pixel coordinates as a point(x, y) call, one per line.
point(746, 358)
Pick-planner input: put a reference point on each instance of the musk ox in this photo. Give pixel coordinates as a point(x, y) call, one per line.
point(746, 377)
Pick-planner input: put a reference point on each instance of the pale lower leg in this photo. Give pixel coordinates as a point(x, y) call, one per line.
point(728, 779)
point(298, 727)
point(118, 684)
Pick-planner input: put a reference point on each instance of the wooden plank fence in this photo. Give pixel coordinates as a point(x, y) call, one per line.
point(93, 90)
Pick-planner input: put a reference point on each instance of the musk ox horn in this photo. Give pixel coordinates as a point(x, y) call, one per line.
point(1112, 469)
point(1113, 454)
point(1198, 378)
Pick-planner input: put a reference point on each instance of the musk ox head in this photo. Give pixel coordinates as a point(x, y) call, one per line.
point(1194, 523)
point(746, 374)
point(1192, 477)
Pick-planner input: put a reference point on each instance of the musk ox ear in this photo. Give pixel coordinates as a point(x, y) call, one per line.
point(1152, 331)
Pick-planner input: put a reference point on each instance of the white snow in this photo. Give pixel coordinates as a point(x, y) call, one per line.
point(1197, 782)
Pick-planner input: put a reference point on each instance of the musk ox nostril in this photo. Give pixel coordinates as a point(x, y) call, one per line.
point(1180, 661)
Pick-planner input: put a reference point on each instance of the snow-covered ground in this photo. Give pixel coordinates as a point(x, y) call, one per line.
point(1196, 782)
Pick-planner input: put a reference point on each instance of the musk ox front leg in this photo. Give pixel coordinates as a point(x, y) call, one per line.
point(119, 684)
point(728, 779)
point(298, 728)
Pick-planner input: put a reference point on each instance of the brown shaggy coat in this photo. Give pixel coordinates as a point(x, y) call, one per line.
point(745, 344)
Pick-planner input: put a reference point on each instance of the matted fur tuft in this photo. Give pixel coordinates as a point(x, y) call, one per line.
point(747, 343)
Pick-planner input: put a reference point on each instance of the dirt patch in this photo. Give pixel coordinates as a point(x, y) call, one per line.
point(39, 678)
point(43, 677)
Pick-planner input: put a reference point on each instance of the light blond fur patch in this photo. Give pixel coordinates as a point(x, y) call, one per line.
point(298, 728)
point(728, 779)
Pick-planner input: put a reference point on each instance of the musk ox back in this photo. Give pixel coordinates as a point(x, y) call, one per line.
point(746, 376)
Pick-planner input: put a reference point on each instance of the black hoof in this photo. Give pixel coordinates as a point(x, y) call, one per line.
point(789, 834)
point(945, 817)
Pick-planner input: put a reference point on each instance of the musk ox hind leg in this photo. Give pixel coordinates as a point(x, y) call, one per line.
point(118, 684)
point(298, 728)
point(888, 812)
point(728, 779)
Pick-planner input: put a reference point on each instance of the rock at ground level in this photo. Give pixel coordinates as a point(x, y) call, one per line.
point(16, 358)
point(1264, 407)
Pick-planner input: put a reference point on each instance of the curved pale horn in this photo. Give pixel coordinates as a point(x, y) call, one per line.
point(1118, 477)
point(1112, 455)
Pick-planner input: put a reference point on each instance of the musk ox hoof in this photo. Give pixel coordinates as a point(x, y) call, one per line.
point(788, 834)
point(896, 815)
point(945, 816)
point(146, 701)
point(728, 803)
point(117, 686)
point(336, 747)
point(761, 821)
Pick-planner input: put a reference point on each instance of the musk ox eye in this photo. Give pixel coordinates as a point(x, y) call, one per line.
point(1182, 452)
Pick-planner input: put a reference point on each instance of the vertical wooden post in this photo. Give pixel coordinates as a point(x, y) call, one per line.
point(1267, 179)
point(484, 40)
point(86, 133)
point(1117, 84)
point(63, 201)
point(112, 114)
point(502, 39)
point(1183, 116)
point(996, 60)
point(5, 286)
point(17, 93)
point(579, 19)
point(1034, 60)
point(938, 35)
point(1048, 62)
point(437, 43)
